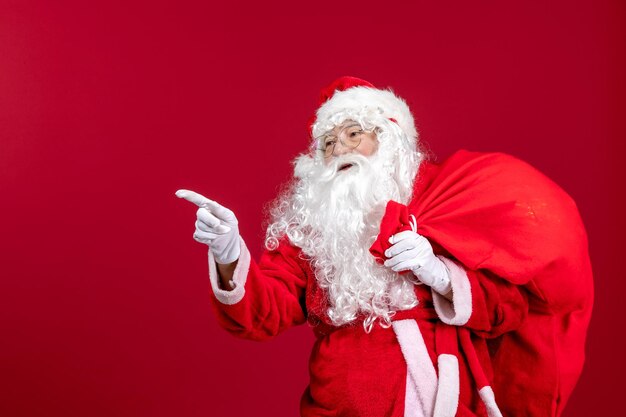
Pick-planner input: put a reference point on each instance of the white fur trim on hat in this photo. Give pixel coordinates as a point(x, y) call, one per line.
point(358, 99)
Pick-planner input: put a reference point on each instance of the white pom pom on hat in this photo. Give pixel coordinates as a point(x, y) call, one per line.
point(354, 94)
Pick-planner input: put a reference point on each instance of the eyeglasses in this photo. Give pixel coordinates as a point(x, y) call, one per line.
point(349, 135)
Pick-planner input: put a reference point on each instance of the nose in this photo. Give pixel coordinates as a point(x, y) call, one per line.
point(341, 149)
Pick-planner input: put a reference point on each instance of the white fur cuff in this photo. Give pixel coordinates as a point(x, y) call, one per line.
point(458, 311)
point(239, 277)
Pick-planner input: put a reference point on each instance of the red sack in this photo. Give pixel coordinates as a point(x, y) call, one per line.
point(395, 220)
point(494, 213)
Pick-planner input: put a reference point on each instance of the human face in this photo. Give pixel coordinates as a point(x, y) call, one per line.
point(346, 138)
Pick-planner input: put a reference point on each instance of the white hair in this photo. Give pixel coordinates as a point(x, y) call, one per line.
point(334, 217)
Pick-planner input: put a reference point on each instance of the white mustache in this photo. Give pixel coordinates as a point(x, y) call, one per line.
point(358, 162)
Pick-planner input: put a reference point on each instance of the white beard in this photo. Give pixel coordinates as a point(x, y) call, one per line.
point(334, 217)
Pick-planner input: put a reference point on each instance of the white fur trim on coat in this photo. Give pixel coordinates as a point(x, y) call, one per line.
point(411, 399)
point(458, 311)
point(449, 386)
point(361, 98)
point(239, 277)
point(419, 367)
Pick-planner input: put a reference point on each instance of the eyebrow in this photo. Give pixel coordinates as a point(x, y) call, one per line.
point(353, 124)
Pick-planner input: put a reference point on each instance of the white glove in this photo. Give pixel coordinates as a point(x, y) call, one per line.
point(216, 226)
point(413, 252)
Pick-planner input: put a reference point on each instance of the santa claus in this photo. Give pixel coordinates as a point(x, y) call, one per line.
point(433, 290)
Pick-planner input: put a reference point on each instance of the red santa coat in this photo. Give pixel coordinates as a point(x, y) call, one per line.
point(522, 296)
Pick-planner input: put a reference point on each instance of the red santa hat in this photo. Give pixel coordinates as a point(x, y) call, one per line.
point(349, 96)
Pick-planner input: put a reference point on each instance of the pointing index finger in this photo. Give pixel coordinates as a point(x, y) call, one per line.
point(195, 198)
point(214, 207)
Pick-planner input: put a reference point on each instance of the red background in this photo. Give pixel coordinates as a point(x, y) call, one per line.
point(106, 108)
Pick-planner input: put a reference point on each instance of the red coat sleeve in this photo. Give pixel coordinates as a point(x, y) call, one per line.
point(498, 306)
point(268, 297)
